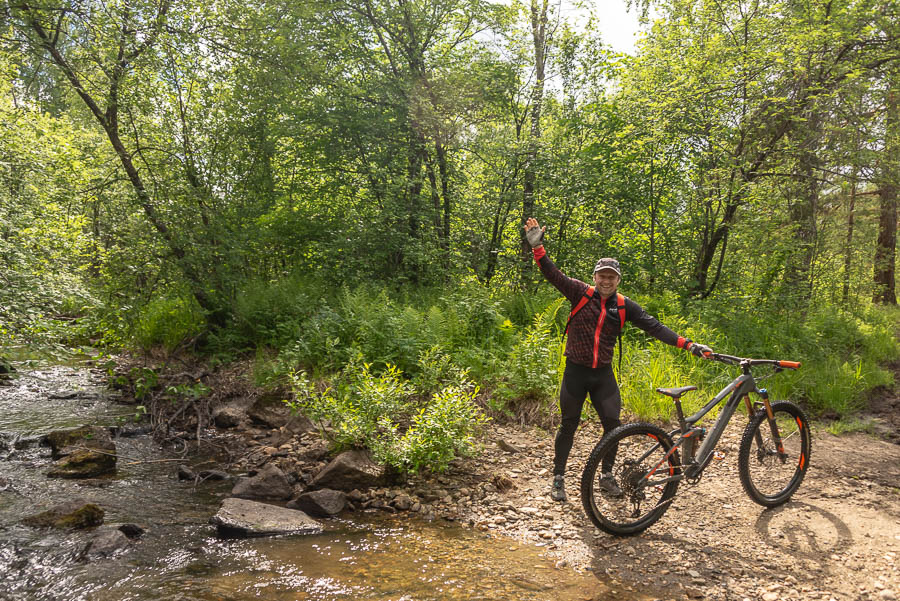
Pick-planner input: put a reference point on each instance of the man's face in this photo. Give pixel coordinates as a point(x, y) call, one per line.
point(606, 281)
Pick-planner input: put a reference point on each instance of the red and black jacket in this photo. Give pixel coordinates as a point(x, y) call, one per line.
point(594, 328)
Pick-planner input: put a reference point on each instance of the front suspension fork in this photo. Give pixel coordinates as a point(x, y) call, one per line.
point(770, 417)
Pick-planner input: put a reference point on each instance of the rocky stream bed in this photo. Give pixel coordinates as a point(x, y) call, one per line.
point(838, 538)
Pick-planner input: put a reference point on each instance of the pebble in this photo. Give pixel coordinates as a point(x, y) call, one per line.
point(887, 595)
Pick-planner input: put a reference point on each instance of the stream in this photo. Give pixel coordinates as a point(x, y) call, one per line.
point(359, 556)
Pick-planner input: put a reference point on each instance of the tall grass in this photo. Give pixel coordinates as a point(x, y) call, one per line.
point(510, 344)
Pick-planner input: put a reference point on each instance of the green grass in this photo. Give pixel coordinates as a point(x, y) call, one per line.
point(850, 424)
point(510, 344)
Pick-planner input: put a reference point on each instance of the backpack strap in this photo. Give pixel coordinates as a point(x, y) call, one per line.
point(579, 306)
point(620, 303)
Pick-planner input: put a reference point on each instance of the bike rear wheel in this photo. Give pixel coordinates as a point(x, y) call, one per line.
point(641, 454)
point(769, 475)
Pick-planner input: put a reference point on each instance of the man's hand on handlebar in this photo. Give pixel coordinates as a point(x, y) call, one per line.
point(701, 350)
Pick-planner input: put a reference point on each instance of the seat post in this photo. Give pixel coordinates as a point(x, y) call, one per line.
point(680, 413)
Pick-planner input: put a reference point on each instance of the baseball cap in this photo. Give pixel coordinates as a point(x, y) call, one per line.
point(608, 263)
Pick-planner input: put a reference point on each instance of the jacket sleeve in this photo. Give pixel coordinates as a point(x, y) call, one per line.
point(571, 288)
point(636, 315)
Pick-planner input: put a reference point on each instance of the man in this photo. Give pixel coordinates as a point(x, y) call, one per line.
point(594, 325)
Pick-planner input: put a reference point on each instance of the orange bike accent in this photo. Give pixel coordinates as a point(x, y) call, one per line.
point(788, 364)
point(802, 460)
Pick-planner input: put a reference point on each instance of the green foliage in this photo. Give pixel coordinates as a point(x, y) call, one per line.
point(443, 429)
point(385, 413)
point(270, 312)
point(436, 371)
point(168, 322)
point(533, 368)
point(847, 425)
point(140, 381)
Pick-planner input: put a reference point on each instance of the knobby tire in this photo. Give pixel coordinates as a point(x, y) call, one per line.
point(770, 477)
point(638, 448)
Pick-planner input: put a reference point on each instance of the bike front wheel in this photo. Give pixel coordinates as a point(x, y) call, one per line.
point(770, 473)
point(646, 470)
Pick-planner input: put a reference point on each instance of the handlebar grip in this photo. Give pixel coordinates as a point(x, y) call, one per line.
point(788, 364)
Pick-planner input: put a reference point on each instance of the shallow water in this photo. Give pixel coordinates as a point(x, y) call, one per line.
point(365, 556)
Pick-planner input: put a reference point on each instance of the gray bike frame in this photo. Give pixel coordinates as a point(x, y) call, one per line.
point(740, 387)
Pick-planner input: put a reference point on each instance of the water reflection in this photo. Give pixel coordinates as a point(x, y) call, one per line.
point(370, 558)
point(367, 557)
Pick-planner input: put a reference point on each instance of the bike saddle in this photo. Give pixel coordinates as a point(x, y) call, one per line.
point(675, 392)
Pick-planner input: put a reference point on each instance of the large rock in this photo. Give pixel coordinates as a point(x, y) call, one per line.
point(229, 416)
point(322, 503)
point(105, 542)
point(85, 452)
point(269, 483)
point(76, 513)
point(349, 470)
point(93, 437)
point(242, 518)
point(271, 412)
point(82, 462)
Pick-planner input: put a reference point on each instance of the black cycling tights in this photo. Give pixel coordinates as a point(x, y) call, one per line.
point(578, 382)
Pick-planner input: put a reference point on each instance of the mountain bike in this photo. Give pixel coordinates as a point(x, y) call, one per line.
point(650, 463)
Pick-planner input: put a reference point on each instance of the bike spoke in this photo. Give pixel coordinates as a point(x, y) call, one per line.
point(638, 458)
point(770, 477)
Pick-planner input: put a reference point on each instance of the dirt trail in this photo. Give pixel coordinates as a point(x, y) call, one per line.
point(838, 538)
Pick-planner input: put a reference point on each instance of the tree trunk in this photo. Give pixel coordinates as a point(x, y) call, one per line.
point(798, 270)
point(885, 249)
point(848, 248)
point(539, 36)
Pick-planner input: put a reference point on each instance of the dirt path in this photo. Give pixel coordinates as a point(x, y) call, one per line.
point(838, 538)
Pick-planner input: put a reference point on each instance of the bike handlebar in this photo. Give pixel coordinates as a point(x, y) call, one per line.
point(732, 360)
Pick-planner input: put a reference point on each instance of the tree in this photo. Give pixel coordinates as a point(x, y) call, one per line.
point(746, 78)
point(888, 184)
point(540, 43)
point(101, 51)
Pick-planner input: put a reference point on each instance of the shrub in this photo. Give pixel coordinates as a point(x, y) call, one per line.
point(437, 370)
point(380, 411)
point(441, 430)
point(533, 367)
point(271, 313)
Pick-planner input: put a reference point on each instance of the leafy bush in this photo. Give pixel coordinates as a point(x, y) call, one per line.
point(271, 313)
point(441, 430)
point(382, 412)
point(437, 370)
point(353, 410)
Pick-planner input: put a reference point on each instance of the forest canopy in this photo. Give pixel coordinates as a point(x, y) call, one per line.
point(241, 175)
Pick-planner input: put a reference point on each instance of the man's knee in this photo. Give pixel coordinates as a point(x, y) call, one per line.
point(569, 425)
